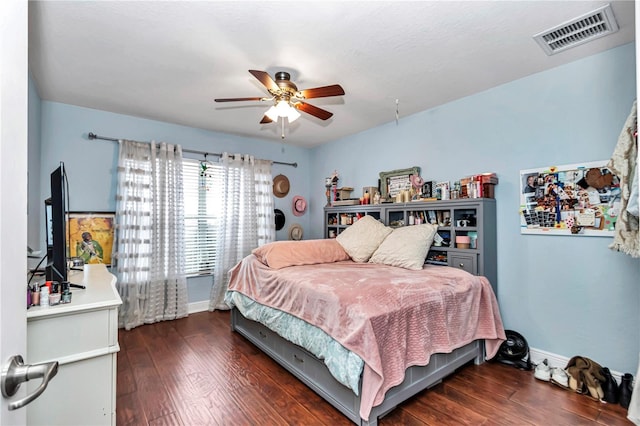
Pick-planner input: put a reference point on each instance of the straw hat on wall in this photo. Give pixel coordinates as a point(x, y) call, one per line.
point(280, 186)
point(295, 232)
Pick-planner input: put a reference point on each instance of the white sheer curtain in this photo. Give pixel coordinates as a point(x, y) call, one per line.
point(149, 232)
point(247, 219)
point(264, 202)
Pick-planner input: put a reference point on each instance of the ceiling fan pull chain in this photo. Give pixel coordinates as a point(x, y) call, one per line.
point(397, 113)
point(282, 127)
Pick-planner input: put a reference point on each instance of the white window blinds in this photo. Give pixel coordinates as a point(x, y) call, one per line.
point(202, 181)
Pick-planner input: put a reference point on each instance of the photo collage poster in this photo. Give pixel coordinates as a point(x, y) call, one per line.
point(574, 199)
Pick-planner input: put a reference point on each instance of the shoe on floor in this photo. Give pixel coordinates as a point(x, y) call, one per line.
point(576, 382)
point(560, 377)
point(592, 382)
point(610, 387)
point(542, 371)
point(626, 389)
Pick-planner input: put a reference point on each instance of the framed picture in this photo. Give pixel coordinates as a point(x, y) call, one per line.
point(396, 181)
point(90, 236)
point(442, 189)
point(574, 199)
point(428, 189)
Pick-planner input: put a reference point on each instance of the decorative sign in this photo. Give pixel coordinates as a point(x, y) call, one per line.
point(574, 199)
point(396, 181)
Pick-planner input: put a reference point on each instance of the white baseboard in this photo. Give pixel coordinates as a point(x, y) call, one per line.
point(200, 306)
point(555, 360)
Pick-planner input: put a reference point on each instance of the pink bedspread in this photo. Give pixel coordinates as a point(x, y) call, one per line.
point(393, 318)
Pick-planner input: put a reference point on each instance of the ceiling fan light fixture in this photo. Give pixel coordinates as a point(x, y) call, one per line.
point(293, 114)
point(288, 99)
point(282, 109)
point(272, 113)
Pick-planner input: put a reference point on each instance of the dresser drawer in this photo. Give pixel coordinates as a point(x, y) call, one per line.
point(56, 337)
point(468, 262)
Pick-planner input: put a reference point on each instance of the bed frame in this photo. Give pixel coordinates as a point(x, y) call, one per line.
point(313, 372)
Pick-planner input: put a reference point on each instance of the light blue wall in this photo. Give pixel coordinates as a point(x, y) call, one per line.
point(91, 164)
point(566, 295)
point(35, 239)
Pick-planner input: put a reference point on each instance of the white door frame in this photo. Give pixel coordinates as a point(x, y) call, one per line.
point(13, 191)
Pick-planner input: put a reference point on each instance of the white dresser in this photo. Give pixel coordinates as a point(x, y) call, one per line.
point(83, 337)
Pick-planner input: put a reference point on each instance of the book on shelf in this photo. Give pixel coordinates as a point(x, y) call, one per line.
point(353, 202)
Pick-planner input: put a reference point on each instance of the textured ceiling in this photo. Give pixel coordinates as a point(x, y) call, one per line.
point(168, 60)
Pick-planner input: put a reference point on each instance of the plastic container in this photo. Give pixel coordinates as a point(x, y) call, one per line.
point(44, 296)
point(54, 299)
point(463, 242)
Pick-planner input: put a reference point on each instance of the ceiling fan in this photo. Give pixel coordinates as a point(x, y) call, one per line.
point(287, 98)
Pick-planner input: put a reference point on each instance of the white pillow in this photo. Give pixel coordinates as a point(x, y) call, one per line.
point(362, 238)
point(406, 247)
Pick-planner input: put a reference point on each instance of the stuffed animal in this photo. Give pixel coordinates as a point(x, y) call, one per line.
point(596, 179)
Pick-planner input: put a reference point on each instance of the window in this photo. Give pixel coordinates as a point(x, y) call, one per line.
point(201, 181)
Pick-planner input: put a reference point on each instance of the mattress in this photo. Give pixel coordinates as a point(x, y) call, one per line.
point(344, 365)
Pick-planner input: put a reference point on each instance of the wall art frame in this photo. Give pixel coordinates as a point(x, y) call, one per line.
point(97, 247)
point(395, 181)
point(581, 199)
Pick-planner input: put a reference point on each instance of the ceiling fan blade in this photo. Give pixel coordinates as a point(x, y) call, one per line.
point(322, 92)
point(238, 99)
point(265, 79)
point(265, 120)
point(313, 110)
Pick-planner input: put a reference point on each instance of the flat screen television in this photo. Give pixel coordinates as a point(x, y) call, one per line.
point(56, 221)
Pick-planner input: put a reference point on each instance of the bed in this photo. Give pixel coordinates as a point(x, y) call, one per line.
point(364, 336)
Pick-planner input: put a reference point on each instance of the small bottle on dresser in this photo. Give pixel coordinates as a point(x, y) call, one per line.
point(35, 295)
point(66, 293)
point(44, 296)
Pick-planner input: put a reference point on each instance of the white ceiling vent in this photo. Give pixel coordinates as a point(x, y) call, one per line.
point(590, 26)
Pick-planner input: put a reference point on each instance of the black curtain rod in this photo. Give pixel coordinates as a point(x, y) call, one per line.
point(93, 136)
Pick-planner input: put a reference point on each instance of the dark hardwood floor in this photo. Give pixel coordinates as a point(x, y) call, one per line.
point(196, 371)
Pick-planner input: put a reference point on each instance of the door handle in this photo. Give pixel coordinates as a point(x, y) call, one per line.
point(17, 372)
